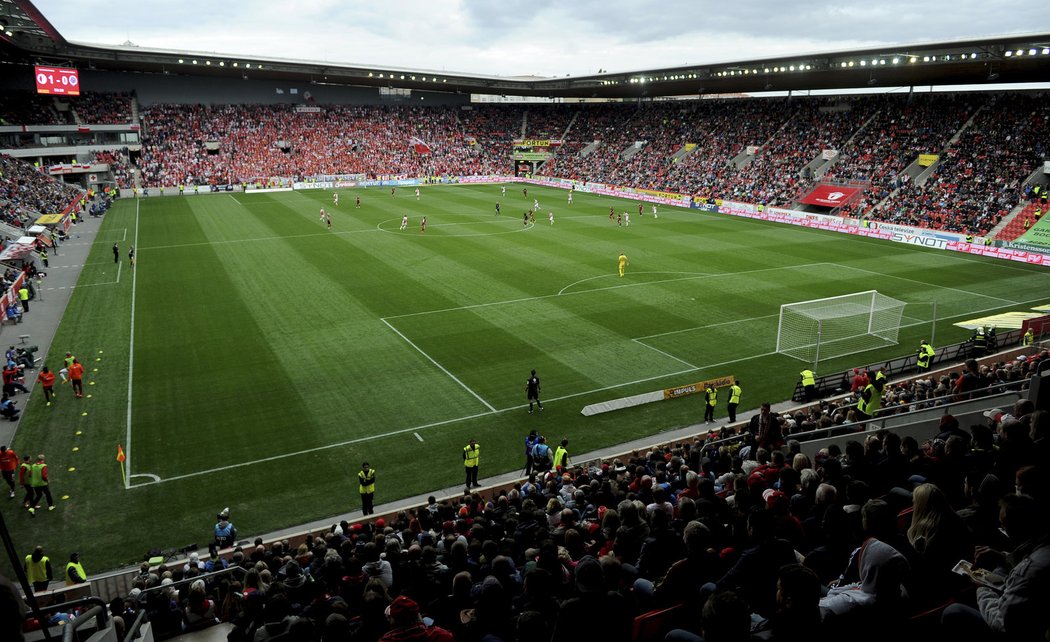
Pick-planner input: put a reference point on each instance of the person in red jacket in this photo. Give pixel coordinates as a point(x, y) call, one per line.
point(8, 466)
point(76, 377)
point(47, 381)
point(406, 625)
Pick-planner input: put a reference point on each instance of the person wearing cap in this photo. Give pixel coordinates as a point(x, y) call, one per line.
point(924, 356)
point(471, 459)
point(75, 570)
point(38, 569)
point(860, 380)
point(225, 532)
point(407, 626)
point(734, 400)
point(40, 485)
point(871, 398)
point(366, 487)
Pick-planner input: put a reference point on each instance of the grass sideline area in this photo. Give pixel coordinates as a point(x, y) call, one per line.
point(253, 358)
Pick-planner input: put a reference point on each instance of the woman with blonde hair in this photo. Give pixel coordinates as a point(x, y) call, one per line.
point(940, 539)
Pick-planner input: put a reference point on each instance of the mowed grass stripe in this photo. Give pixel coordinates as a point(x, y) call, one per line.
point(189, 367)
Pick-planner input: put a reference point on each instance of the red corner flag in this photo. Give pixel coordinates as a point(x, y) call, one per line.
point(120, 453)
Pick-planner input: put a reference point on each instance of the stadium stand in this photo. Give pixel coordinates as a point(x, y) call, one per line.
point(26, 193)
point(979, 177)
point(630, 548)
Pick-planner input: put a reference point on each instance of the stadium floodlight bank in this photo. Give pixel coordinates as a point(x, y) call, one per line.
point(838, 326)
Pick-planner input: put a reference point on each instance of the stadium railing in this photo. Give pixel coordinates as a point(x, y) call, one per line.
point(830, 384)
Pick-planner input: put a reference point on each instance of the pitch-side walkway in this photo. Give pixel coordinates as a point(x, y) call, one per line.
point(46, 310)
point(683, 434)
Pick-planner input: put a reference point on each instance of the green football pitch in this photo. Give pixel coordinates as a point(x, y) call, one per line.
point(254, 358)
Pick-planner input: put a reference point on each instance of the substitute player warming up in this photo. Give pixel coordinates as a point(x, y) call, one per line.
point(622, 261)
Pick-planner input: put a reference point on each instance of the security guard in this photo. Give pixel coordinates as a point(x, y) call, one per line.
point(366, 485)
point(561, 456)
point(38, 569)
point(870, 398)
point(809, 383)
point(471, 457)
point(978, 343)
point(925, 355)
point(711, 395)
point(75, 570)
point(1028, 337)
point(734, 400)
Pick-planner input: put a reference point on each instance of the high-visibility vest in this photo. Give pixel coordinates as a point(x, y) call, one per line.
point(559, 457)
point(1026, 340)
point(712, 396)
point(872, 404)
point(734, 394)
point(36, 475)
point(36, 571)
point(80, 572)
point(471, 456)
point(808, 378)
point(926, 352)
point(366, 482)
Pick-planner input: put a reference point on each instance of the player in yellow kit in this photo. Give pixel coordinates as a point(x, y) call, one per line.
point(623, 262)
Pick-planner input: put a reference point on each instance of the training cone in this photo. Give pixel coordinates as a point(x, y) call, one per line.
point(83, 414)
point(76, 449)
point(72, 469)
point(65, 496)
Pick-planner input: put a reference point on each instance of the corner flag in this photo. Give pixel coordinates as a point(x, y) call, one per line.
point(121, 458)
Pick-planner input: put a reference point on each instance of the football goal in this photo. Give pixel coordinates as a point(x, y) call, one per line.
point(838, 326)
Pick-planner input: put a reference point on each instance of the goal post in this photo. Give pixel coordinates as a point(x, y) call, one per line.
point(838, 326)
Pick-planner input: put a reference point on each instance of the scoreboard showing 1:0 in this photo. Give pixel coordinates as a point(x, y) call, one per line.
point(57, 80)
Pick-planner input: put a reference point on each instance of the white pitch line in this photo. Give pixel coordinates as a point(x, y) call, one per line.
point(131, 358)
point(417, 436)
point(393, 433)
point(703, 327)
point(603, 276)
point(341, 444)
point(666, 354)
point(593, 290)
point(931, 285)
point(235, 200)
point(439, 366)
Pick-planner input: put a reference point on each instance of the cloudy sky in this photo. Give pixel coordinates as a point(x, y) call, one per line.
point(538, 37)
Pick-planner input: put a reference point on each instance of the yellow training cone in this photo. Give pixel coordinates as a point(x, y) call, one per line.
point(95, 370)
point(83, 414)
point(91, 383)
point(65, 496)
point(78, 433)
point(76, 449)
point(89, 396)
point(72, 469)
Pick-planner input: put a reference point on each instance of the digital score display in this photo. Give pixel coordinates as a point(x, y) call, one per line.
point(57, 80)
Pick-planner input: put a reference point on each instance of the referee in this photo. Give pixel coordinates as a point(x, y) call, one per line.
point(532, 390)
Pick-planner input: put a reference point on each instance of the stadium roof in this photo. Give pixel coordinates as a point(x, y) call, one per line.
point(29, 38)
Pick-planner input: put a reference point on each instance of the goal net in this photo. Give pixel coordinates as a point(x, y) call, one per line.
point(837, 326)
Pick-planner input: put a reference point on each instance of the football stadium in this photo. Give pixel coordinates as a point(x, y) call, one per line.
point(753, 349)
